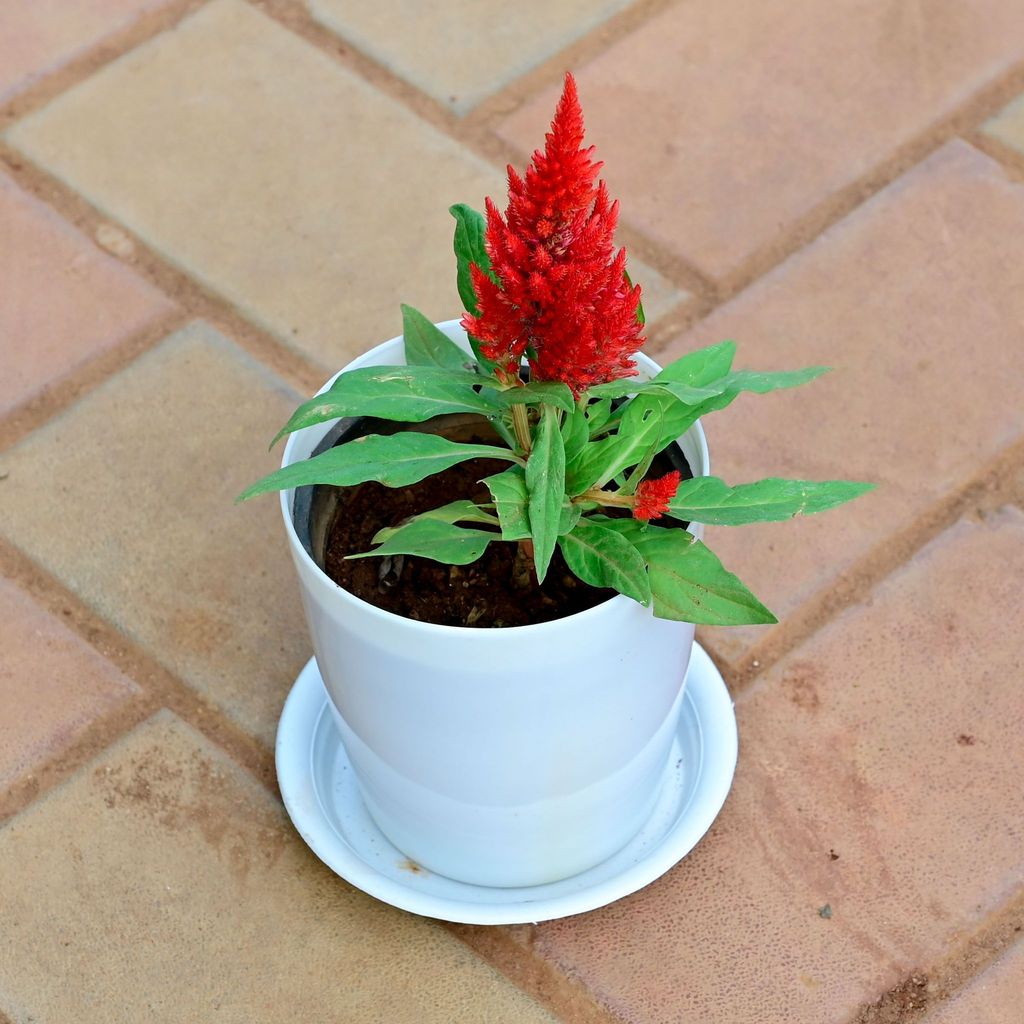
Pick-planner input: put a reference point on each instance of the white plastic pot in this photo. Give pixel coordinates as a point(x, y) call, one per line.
point(500, 757)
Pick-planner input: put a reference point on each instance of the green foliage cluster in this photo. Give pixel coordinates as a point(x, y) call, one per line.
point(570, 459)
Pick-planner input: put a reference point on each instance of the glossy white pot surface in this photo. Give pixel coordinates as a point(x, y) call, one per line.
point(500, 757)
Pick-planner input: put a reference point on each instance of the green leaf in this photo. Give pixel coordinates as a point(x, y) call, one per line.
point(541, 392)
point(640, 430)
point(571, 515)
point(394, 460)
point(762, 383)
point(575, 433)
point(503, 428)
point(641, 317)
point(463, 510)
point(511, 502)
point(409, 394)
point(545, 484)
point(688, 582)
point(680, 418)
point(711, 368)
point(434, 539)
point(618, 388)
point(604, 558)
point(598, 415)
point(709, 500)
point(702, 367)
point(470, 247)
point(428, 345)
point(687, 393)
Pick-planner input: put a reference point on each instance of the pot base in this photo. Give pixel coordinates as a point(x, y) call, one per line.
point(320, 792)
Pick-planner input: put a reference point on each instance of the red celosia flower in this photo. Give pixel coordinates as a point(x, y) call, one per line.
point(560, 295)
point(652, 496)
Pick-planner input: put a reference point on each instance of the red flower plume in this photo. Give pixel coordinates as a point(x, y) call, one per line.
point(652, 496)
point(561, 295)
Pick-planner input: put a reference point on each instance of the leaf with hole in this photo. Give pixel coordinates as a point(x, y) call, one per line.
point(640, 430)
point(408, 394)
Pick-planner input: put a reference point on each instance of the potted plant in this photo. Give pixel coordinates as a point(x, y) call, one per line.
point(495, 525)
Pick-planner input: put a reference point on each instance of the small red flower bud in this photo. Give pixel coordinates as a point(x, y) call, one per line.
point(652, 496)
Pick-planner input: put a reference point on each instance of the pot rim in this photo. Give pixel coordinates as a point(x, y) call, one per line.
point(453, 327)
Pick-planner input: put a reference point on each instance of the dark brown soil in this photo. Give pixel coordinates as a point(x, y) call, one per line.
point(495, 590)
point(499, 589)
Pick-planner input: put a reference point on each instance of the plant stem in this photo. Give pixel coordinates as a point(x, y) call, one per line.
point(603, 497)
point(521, 425)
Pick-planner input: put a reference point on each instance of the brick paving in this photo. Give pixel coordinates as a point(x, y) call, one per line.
point(206, 205)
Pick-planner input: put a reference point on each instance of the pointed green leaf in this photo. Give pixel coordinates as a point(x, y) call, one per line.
point(575, 433)
point(570, 516)
point(640, 429)
point(702, 380)
point(394, 460)
point(688, 582)
point(700, 368)
point(409, 394)
point(470, 247)
point(428, 345)
point(686, 393)
point(511, 502)
point(761, 383)
point(434, 539)
point(462, 511)
point(618, 388)
point(598, 415)
point(604, 558)
point(709, 500)
point(545, 484)
point(682, 416)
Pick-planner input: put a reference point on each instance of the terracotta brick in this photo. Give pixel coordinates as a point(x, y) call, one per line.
point(917, 300)
point(992, 998)
point(38, 36)
point(52, 685)
point(270, 173)
point(463, 50)
point(878, 776)
point(162, 884)
point(64, 301)
point(725, 121)
point(128, 499)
